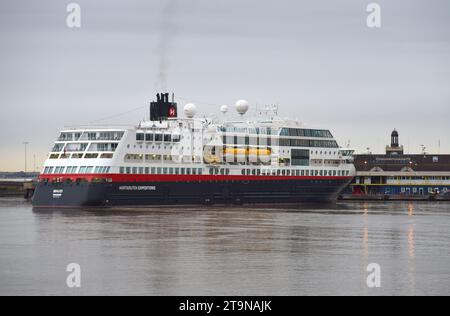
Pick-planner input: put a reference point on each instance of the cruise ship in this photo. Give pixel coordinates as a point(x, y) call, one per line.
point(173, 159)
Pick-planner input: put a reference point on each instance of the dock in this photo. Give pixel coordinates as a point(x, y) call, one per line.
point(387, 197)
point(17, 187)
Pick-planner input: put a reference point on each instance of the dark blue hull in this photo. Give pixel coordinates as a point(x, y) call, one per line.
point(142, 194)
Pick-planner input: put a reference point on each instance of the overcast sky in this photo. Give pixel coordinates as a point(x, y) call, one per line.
point(317, 59)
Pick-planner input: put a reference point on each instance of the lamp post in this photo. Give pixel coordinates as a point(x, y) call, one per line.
point(26, 144)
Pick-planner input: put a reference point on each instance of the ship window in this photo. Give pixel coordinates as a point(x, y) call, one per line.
point(91, 156)
point(128, 170)
point(147, 170)
point(167, 138)
point(158, 170)
point(177, 171)
point(74, 147)
point(243, 172)
point(170, 170)
point(176, 138)
point(122, 170)
point(89, 169)
point(141, 170)
point(54, 156)
point(92, 136)
point(134, 170)
point(149, 137)
point(97, 169)
point(82, 170)
point(153, 170)
point(158, 137)
point(66, 137)
point(140, 137)
point(200, 171)
point(58, 147)
point(106, 156)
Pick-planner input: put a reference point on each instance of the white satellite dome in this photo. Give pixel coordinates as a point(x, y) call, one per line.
point(190, 110)
point(224, 109)
point(242, 107)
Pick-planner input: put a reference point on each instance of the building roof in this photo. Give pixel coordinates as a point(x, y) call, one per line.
point(399, 163)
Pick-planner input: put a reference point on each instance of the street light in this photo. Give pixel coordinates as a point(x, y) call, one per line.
point(26, 144)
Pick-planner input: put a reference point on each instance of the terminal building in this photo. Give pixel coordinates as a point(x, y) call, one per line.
point(399, 175)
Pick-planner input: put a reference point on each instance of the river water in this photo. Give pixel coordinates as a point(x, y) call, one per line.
point(301, 250)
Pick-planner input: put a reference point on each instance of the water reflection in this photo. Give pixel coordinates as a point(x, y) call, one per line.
point(410, 209)
point(412, 249)
point(292, 250)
